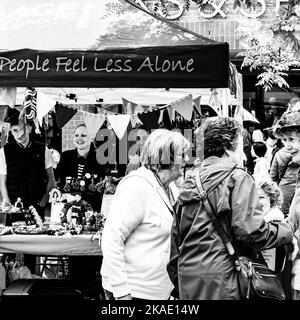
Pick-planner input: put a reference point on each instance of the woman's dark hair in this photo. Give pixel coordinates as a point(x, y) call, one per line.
point(220, 134)
point(259, 148)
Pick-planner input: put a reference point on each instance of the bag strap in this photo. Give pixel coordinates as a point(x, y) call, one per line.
point(284, 171)
point(213, 216)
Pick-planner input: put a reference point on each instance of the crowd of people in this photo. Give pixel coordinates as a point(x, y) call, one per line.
point(161, 243)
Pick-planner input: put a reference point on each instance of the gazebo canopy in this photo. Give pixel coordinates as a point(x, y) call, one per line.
point(49, 43)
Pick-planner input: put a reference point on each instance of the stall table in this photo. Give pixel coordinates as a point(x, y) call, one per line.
point(45, 245)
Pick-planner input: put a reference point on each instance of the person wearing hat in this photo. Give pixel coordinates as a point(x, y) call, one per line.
point(25, 168)
point(288, 129)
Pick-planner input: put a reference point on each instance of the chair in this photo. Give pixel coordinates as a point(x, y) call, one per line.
point(53, 267)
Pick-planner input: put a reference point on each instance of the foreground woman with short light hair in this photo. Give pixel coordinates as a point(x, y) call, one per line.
point(136, 236)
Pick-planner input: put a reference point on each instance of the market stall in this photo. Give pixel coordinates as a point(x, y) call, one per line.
point(94, 52)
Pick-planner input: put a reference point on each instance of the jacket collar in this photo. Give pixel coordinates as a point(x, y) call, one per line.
point(149, 176)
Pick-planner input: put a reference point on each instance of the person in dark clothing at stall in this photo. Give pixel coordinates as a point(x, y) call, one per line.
point(81, 167)
point(25, 171)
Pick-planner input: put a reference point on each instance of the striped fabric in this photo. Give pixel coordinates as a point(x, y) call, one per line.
point(30, 103)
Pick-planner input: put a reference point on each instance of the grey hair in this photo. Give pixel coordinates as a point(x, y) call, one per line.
point(272, 190)
point(163, 149)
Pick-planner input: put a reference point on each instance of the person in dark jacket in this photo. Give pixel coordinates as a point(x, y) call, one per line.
point(200, 266)
point(288, 129)
point(25, 171)
point(81, 165)
point(284, 172)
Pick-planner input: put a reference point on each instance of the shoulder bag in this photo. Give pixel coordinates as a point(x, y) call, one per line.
point(255, 279)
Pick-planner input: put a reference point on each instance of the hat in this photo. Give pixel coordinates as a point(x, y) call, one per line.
point(290, 119)
point(12, 116)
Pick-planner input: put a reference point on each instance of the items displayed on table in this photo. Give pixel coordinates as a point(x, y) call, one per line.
point(84, 184)
point(29, 216)
point(87, 184)
point(29, 230)
point(77, 208)
point(70, 214)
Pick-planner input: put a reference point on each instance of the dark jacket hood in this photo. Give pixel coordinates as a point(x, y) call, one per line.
point(213, 171)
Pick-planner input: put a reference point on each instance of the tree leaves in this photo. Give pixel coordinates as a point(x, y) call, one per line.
point(272, 48)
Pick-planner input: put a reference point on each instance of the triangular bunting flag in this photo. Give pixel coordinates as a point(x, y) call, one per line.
point(63, 114)
point(8, 96)
point(44, 104)
point(214, 101)
point(3, 111)
point(165, 121)
point(4, 133)
point(184, 106)
point(129, 106)
point(150, 119)
point(171, 112)
point(197, 103)
point(134, 120)
point(93, 122)
point(238, 114)
point(160, 119)
point(119, 123)
point(225, 100)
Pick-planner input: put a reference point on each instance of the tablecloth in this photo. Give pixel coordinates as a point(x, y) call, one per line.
point(46, 245)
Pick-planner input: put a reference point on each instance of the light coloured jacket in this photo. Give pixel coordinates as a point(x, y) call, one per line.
point(136, 239)
point(261, 167)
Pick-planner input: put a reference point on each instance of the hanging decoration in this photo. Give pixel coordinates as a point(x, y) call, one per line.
point(197, 104)
point(165, 119)
point(184, 107)
point(150, 119)
point(171, 112)
point(119, 123)
point(30, 103)
point(215, 102)
point(8, 96)
point(93, 122)
point(44, 105)
point(135, 121)
point(3, 111)
point(63, 114)
point(179, 110)
point(129, 106)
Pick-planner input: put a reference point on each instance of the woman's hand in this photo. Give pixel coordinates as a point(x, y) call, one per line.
point(126, 297)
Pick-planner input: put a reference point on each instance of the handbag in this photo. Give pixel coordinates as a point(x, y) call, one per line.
point(255, 279)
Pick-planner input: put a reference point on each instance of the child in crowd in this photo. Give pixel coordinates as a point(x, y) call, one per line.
point(261, 166)
point(270, 197)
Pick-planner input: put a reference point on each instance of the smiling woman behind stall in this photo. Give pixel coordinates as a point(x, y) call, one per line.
point(76, 163)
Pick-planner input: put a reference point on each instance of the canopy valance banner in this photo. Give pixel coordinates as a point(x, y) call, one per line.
point(156, 67)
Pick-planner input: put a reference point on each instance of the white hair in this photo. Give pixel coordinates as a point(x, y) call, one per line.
point(164, 148)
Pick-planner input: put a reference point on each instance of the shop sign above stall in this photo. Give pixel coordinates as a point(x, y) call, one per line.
point(174, 67)
point(218, 7)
